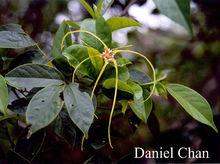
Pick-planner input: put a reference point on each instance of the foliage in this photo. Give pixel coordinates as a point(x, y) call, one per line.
point(96, 62)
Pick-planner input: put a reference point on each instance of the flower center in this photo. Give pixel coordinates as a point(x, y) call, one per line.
point(107, 54)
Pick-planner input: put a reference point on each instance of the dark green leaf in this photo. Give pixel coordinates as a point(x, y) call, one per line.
point(177, 10)
point(80, 107)
point(116, 23)
point(139, 76)
point(139, 107)
point(56, 49)
point(12, 39)
point(88, 8)
point(98, 27)
point(34, 75)
point(12, 27)
point(44, 108)
point(3, 95)
point(193, 103)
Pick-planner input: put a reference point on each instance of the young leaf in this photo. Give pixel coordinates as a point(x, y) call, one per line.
point(88, 8)
point(98, 27)
point(177, 10)
point(193, 103)
point(34, 75)
point(56, 48)
point(3, 95)
point(96, 61)
point(44, 108)
point(116, 23)
point(12, 39)
point(124, 104)
point(80, 107)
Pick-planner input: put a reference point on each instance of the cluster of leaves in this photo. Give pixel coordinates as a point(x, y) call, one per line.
point(89, 63)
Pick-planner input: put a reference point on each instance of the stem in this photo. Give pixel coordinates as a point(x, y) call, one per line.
point(98, 78)
point(41, 51)
point(114, 102)
point(82, 143)
point(83, 31)
point(150, 64)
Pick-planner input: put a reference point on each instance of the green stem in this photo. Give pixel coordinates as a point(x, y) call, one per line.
point(114, 102)
point(99, 77)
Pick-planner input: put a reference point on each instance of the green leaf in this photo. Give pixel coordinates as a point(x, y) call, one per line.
point(72, 24)
point(116, 23)
point(77, 53)
point(123, 62)
point(139, 107)
point(177, 10)
point(139, 76)
point(44, 108)
point(12, 39)
point(104, 5)
point(88, 8)
point(12, 27)
point(193, 103)
point(123, 73)
point(34, 75)
point(98, 27)
point(124, 104)
point(96, 61)
point(56, 48)
point(80, 107)
point(110, 83)
point(3, 95)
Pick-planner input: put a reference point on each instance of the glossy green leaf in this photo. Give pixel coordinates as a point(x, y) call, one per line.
point(88, 8)
point(98, 27)
point(80, 107)
point(44, 108)
point(95, 57)
point(116, 23)
point(3, 95)
point(16, 40)
point(139, 107)
point(56, 48)
point(110, 83)
point(34, 75)
point(193, 103)
point(77, 53)
point(123, 73)
point(177, 10)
